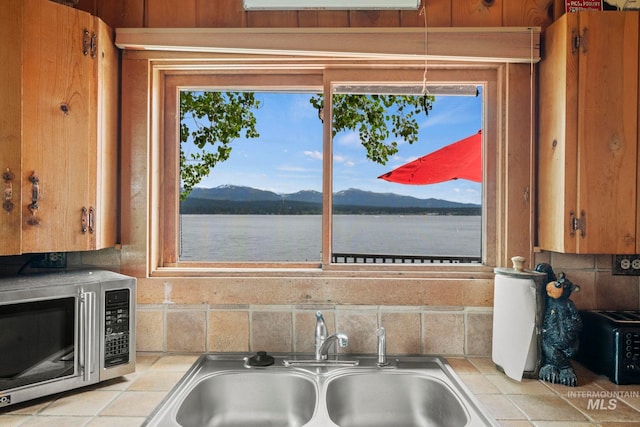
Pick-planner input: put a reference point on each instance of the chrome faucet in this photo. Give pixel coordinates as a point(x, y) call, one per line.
point(324, 342)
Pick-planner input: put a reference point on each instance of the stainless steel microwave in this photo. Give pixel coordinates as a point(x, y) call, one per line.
point(61, 331)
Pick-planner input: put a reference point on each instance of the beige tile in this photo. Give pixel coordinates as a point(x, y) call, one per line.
point(603, 408)
point(566, 262)
point(484, 364)
point(617, 292)
point(507, 385)
point(403, 332)
point(271, 331)
point(29, 407)
point(360, 327)
point(80, 403)
point(228, 331)
point(119, 383)
point(565, 424)
point(515, 423)
point(479, 333)
point(478, 293)
point(56, 421)
point(546, 408)
point(12, 420)
point(116, 422)
point(175, 362)
point(150, 330)
point(134, 404)
point(156, 381)
point(144, 361)
point(462, 365)
point(443, 333)
point(500, 407)
point(478, 384)
point(586, 383)
point(618, 424)
point(186, 330)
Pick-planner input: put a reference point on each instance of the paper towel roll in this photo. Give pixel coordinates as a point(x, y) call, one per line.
point(516, 317)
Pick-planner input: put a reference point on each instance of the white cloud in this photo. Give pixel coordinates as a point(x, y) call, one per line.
point(317, 155)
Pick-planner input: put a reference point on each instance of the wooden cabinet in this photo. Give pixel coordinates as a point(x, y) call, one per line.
point(58, 129)
point(588, 134)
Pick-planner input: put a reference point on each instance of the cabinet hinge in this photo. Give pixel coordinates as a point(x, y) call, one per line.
point(89, 46)
point(579, 41)
point(576, 223)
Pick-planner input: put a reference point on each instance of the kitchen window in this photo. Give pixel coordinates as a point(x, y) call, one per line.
point(507, 120)
point(229, 219)
point(262, 198)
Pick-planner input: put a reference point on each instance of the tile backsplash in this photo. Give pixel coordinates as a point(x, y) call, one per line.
point(421, 315)
point(410, 329)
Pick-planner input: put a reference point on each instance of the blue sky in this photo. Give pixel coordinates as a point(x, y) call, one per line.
point(288, 155)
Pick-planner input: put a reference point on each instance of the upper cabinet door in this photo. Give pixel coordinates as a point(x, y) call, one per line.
point(588, 139)
point(58, 74)
point(103, 175)
point(10, 127)
point(608, 132)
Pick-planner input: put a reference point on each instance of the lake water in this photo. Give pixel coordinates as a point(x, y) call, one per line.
point(298, 237)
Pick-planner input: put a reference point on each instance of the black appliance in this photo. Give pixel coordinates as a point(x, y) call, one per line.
point(610, 344)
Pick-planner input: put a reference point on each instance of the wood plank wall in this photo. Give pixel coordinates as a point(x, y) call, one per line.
point(229, 13)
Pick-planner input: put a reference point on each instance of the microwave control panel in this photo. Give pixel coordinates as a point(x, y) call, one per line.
point(116, 327)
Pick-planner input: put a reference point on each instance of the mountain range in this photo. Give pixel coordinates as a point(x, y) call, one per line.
point(239, 199)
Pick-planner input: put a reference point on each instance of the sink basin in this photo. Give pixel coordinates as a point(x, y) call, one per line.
point(254, 398)
point(392, 398)
point(223, 390)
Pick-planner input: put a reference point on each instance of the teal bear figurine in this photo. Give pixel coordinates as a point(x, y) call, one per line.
point(561, 328)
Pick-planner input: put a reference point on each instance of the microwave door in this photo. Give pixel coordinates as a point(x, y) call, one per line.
point(37, 342)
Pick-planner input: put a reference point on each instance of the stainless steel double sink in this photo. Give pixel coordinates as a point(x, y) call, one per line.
point(221, 389)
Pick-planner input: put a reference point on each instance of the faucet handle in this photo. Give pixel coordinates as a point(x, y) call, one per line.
point(382, 346)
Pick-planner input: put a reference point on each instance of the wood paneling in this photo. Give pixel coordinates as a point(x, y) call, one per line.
point(476, 13)
point(230, 14)
point(171, 13)
point(324, 18)
point(122, 13)
point(438, 13)
point(270, 19)
point(374, 18)
point(522, 13)
point(220, 14)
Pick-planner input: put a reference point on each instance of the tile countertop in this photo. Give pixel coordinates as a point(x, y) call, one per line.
point(127, 401)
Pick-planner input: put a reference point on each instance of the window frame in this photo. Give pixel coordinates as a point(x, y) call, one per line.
point(507, 55)
point(314, 78)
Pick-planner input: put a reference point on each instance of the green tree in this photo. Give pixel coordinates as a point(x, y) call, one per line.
point(214, 119)
point(370, 116)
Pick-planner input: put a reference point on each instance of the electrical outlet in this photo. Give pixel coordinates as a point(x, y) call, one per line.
point(626, 265)
point(50, 260)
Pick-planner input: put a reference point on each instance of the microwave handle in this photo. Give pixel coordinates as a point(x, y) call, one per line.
point(87, 328)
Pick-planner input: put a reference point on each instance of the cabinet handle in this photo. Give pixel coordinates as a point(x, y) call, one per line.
point(7, 204)
point(92, 217)
point(88, 220)
point(35, 196)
